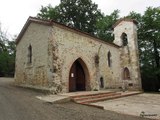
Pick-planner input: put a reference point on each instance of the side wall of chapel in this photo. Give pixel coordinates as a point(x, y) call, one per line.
point(72, 45)
point(34, 73)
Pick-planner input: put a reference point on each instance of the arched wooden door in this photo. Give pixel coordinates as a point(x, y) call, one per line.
point(76, 77)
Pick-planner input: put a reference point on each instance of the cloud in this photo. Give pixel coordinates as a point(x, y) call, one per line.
point(14, 13)
point(126, 6)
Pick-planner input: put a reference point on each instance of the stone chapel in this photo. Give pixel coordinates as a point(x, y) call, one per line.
point(52, 56)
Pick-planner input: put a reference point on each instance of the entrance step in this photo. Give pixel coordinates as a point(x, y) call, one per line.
point(90, 98)
point(84, 99)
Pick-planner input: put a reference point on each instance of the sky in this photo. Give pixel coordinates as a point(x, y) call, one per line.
point(14, 13)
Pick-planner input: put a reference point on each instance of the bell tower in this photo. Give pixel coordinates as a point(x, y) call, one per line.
point(125, 32)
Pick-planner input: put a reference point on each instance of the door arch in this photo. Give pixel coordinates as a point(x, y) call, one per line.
point(78, 76)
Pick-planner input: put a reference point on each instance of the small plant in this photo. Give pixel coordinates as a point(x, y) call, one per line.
point(95, 89)
point(142, 114)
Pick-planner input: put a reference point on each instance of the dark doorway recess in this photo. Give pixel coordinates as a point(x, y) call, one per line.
point(77, 80)
point(126, 74)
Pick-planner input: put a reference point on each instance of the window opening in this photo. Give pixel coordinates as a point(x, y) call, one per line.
point(30, 54)
point(109, 59)
point(124, 39)
point(101, 82)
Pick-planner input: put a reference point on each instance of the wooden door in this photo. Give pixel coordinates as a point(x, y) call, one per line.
point(76, 78)
point(80, 80)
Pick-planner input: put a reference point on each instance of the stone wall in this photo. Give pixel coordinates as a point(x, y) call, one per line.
point(35, 73)
point(72, 45)
point(129, 56)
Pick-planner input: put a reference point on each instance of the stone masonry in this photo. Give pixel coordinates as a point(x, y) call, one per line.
point(55, 47)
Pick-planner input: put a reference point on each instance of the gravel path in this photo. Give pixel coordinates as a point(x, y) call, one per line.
point(21, 104)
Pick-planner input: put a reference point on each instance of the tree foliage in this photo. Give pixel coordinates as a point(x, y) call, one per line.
point(3, 40)
point(7, 55)
point(49, 13)
point(79, 14)
point(104, 26)
point(151, 34)
point(149, 47)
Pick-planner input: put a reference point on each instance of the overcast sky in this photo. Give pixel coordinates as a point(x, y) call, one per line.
point(14, 13)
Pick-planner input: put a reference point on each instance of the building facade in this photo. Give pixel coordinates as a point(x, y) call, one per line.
point(58, 58)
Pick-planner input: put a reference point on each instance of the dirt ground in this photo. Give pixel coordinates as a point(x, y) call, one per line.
point(145, 105)
point(21, 104)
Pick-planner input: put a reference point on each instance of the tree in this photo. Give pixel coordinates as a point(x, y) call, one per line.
point(3, 40)
point(151, 33)
point(104, 26)
point(149, 47)
point(79, 14)
point(49, 13)
point(7, 55)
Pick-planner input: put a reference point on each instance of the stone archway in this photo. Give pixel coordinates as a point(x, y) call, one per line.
point(78, 76)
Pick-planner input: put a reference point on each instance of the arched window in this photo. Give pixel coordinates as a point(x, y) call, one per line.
point(126, 74)
point(30, 54)
point(109, 59)
point(124, 39)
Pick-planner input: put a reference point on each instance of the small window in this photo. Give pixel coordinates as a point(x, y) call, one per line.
point(30, 54)
point(101, 82)
point(124, 39)
point(109, 59)
point(126, 74)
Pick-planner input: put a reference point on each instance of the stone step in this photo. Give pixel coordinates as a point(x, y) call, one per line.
point(77, 99)
point(86, 99)
point(97, 99)
point(93, 97)
point(90, 95)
